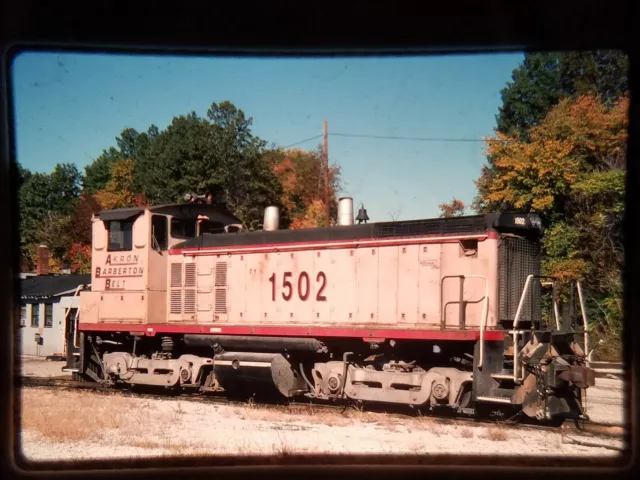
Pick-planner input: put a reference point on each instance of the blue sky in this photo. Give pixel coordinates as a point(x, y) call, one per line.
point(69, 107)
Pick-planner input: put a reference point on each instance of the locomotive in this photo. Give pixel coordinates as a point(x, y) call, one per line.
point(438, 314)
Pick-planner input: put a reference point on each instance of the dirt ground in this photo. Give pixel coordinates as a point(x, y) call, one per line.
point(114, 426)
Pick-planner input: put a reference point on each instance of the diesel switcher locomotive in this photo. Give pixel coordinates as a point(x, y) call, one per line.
point(441, 313)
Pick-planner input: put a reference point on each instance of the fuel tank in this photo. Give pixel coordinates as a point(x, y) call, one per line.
point(258, 372)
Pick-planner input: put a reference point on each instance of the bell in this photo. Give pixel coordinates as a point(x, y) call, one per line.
point(362, 215)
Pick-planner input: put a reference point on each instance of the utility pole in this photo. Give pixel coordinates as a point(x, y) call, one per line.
point(326, 172)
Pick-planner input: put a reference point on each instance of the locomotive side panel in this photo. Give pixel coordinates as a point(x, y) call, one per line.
point(344, 287)
point(408, 289)
point(429, 271)
point(472, 260)
point(387, 277)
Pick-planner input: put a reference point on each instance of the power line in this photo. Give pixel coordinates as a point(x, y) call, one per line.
point(422, 139)
point(391, 137)
point(303, 141)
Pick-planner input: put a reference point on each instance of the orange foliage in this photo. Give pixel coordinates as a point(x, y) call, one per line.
point(80, 256)
point(118, 193)
point(577, 136)
point(301, 175)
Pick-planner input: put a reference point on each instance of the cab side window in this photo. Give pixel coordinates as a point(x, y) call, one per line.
point(120, 235)
point(159, 232)
point(181, 228)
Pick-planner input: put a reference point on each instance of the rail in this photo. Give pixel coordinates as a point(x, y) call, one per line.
point(461, 322)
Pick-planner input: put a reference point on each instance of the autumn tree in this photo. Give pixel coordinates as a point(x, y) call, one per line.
point(119, 192)
point(455, 208)
point(302, 176)
point(570, 169)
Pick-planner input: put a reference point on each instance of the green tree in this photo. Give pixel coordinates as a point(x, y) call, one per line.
point(218, 154)
point(130, 145)
point(543, 79)
point(46, 201)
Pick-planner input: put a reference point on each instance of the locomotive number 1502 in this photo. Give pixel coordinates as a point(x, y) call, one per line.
point(303, 286)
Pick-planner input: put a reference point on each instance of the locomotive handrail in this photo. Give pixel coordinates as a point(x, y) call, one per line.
point(485, 307)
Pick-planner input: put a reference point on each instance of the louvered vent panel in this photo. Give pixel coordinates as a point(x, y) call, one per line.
point(221, 274)
point(221, 301)
point(176, 301)
point(190, 275)
point(189, 301)
point(176, 274)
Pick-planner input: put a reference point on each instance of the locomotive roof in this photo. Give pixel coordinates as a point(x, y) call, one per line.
point(188, 210)
point(472, 224)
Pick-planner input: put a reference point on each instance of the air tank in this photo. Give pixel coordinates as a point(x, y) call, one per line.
point(345, 211)
point(271, 219)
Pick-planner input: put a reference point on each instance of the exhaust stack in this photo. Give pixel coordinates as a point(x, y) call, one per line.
point(271, 219)
point(345, 211)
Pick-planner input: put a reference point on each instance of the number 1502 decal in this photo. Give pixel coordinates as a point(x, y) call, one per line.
point(303, 286)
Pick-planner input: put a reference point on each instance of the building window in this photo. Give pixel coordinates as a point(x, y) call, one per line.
point(48, 315)
point(159, 227)
point(120, 235)
point(35, 315)
point(181, 228)
point(23, 315)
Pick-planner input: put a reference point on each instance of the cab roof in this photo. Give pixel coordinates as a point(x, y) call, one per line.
point(182, 210)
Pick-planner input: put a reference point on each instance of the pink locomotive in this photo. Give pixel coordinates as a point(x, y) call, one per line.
point(434, 313)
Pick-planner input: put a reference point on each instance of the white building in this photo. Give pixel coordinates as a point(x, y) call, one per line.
point(48, 306)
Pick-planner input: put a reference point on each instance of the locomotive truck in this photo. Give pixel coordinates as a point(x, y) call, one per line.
point(441, 313)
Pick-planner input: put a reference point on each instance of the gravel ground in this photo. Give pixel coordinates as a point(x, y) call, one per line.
point(39, 367)
point(114, 426)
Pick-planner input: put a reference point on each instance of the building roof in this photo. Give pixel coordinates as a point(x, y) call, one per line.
point(44, 287)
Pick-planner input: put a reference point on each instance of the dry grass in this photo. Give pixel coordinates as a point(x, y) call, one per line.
point(496, 435)
point(64, 416)
point(466, 433)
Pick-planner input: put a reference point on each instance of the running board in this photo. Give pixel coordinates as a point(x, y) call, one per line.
point(494, 399)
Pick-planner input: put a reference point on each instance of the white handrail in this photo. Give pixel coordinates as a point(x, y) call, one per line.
point(584, 322)
point(516, 319)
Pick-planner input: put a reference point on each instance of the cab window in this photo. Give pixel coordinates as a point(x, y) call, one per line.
point(159, 227)
point(181, 228)
point(211, 227)
point(120, 235)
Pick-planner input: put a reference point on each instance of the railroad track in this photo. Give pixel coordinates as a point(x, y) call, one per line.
point(338, 407)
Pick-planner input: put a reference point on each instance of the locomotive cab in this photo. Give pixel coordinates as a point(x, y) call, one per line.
point(129, 258)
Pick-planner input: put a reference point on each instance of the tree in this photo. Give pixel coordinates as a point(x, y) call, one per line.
point(45, 202)
point(571, 169)
point(119, 192)
point(301, 175)
point(218, 154)
point(455, 208)
point(131, 145)
point(543, 79)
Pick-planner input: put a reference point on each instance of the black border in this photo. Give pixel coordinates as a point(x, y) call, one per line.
point(313, 28)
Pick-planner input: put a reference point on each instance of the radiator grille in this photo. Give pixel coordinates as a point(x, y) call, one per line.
point(221, 301)
point(190, 275)
point(176, 301)
point(176, 275)
point(221, 288)
point(519, 258)
point(189, 301)
point(221, 274)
